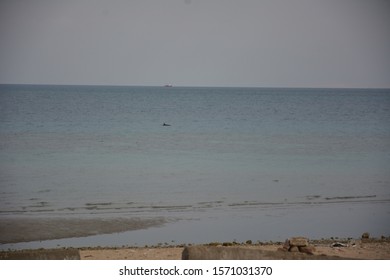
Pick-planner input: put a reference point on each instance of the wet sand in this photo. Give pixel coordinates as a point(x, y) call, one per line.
point(13, 230)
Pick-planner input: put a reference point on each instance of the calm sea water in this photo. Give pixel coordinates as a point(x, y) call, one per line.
point(235, 163)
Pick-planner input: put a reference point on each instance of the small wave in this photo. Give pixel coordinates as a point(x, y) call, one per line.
point(39, 204)
point(349, 197)
point(99, 204)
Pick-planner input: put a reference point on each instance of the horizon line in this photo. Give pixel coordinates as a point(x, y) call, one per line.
point(189, 86)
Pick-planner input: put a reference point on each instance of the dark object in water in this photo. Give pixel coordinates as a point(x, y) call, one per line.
point(165, 124)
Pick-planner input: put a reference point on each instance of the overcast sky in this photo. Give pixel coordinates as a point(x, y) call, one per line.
point(266, 43)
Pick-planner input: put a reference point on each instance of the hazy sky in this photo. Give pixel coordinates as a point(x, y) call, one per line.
point(288, 43)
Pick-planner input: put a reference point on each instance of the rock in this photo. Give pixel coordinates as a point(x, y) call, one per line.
point(286, 244)
point(293, 249)
point(237, 253)
point(366, 235)
point(299, 241)
point(298, 244)
point(307, 249)
point(42, 254)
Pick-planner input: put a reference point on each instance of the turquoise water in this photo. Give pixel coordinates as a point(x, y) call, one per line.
point(238, 157)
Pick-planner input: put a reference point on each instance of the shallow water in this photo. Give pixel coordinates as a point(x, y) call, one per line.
point(232, 160)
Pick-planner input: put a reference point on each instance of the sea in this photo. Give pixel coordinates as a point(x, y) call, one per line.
point(218, 163)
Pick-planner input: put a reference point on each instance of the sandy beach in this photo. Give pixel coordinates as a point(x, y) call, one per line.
point(374, 249)
point(364, 249)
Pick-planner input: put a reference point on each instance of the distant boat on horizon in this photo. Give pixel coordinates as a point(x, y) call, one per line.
point(168, 85)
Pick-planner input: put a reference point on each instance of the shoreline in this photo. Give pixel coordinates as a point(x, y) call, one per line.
point(24, 229)
point(18, 233)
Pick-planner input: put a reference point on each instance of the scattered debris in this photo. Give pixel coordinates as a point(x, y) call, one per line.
point(338, 244)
